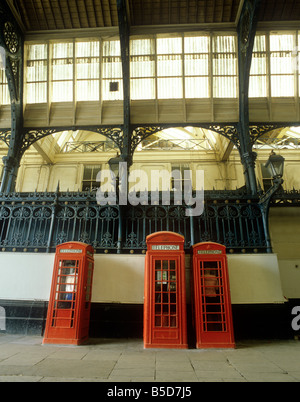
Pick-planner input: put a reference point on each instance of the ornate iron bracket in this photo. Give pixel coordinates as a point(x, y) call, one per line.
point(5, 135)
point(260, 129)
point(31, 135)
point(140, 133)
point(257, 131)
point(115, 134)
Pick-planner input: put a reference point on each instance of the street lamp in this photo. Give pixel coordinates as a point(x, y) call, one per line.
point(114, 166)
point(275, 165)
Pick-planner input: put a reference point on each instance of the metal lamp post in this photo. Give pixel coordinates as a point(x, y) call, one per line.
point(114, 168)
point(114, 164)
point(275, 165)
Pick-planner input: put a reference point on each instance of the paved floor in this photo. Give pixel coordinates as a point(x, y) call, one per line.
point(25, 359)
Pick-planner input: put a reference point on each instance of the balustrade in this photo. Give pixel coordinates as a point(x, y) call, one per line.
point(38, 222)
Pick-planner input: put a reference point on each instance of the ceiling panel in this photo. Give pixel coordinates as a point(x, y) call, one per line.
point(280, 10)
point(41, 15)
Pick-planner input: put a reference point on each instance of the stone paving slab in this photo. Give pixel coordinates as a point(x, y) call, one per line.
point(25, 359)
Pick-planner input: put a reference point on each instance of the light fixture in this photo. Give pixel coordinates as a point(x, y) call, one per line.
point(114, 165)
point(275, 165)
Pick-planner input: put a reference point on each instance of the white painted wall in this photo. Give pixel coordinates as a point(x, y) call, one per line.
point(25, 276)
point(255, 279)
point(285, 235)
point(290, 277)
point(120, 278)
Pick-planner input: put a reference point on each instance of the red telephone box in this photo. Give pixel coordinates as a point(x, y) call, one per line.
point(69, 306)
point(212, 304)
point(165, 297)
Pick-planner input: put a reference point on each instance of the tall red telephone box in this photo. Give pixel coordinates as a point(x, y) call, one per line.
point(69, 306)
point(212, 303)
point(165, 323)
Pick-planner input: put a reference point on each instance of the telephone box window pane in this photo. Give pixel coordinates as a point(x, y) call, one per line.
point(172, 265)
point(213, 303)
point(69, 263)
point(165, 294)
point(166, 298)
point(158, 308)
point(66, 287)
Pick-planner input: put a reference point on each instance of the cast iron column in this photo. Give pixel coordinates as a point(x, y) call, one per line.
point(246, 34)
point(12, 44)
point(126, 153)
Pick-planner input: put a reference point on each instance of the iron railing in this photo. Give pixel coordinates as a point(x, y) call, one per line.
point(38, 222)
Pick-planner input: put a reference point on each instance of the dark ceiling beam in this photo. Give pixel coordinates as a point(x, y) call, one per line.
point(222, 12)
point(196, 12)
point(69, 14)
point(91, 14)
point(44, 14)
point(213, 10)
point(205, 12)
point(86, 13)
point(16, 13)
point(60, 13)
point(109, 14)
point(75, 5)
point(230, 11)
point(286, 12)
point(52, 13)
point(35, 14)
point(178, 12)
point(99, 12)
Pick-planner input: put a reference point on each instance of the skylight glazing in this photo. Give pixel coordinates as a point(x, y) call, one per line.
point(183, 66)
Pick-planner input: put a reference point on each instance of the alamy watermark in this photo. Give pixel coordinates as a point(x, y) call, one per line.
point(296, 321)
point(2, 319)
point(114, 190)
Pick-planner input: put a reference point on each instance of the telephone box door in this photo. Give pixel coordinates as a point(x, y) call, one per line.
point(70, 298)
point(212, 304)
point(165, 305)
